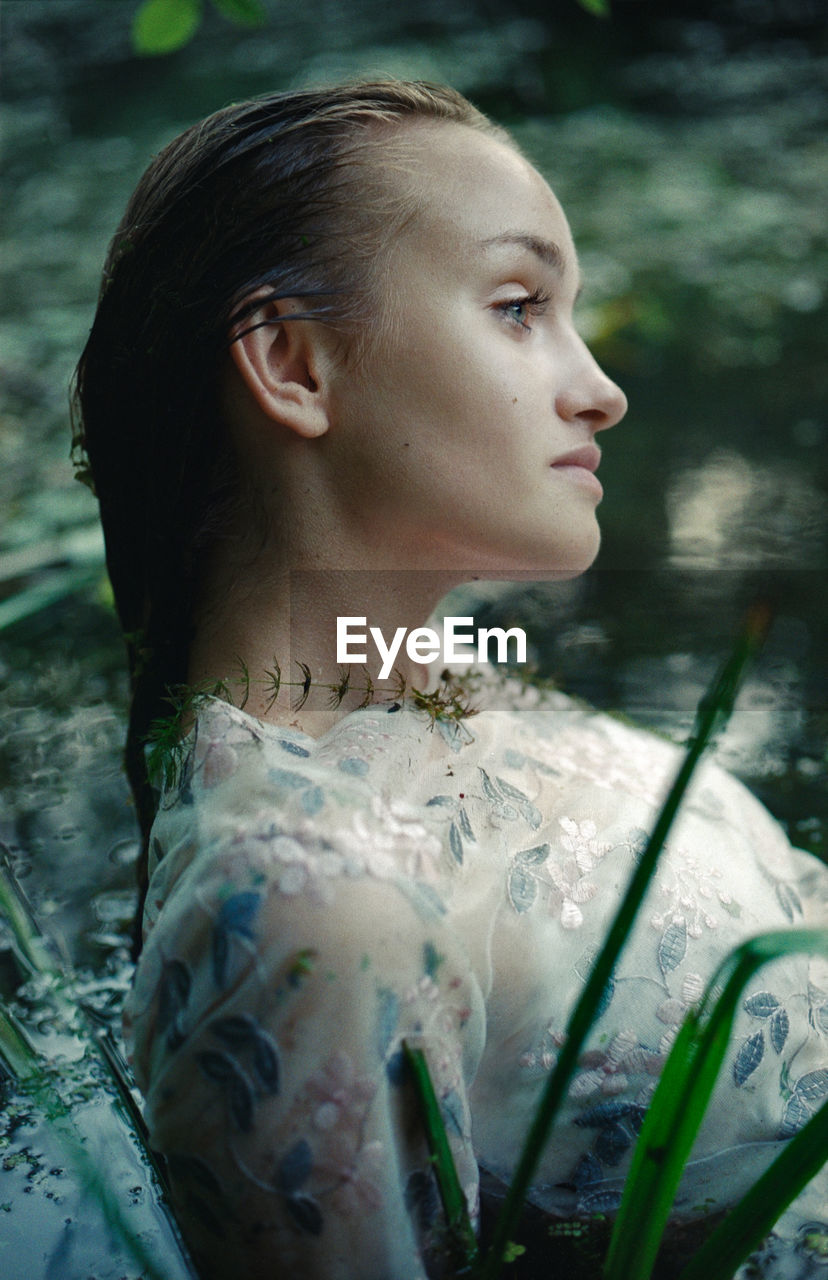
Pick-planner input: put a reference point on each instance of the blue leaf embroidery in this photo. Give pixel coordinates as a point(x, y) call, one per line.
point(789, 901)
point(603, 1114)
point(288, 779)
point(239, 1029)
point(465, 825)
point(780, 1025)
point(353, 765)
point(673, 946)
point(749, 1056)
point(238, 913)
point(587, 1171)
point(504, 810)
point(306, 1214)
point(387, 1015)
point(523, 889)
point(533, 857)
point(266, 1061)
point(808, 1092)
point(234, 1084)
point(294, 1167)
point(236, 916)
point(762, 1004)
point(173, 993)
point(612, 1143)
point(431, 959)
point(312, 801)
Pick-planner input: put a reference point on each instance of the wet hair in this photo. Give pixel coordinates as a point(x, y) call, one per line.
point(289, 194)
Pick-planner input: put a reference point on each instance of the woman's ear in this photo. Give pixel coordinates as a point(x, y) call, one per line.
point(281, 363)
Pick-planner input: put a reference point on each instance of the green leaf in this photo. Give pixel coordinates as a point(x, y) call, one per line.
point(451, 1193)
point(250, 13)
point(748, 1224)
point(162, 26)
point(680, 1101)
point(712, 714)
point(600, 8)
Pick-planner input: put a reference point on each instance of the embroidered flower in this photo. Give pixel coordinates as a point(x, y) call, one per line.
point(357, 1171)
point(338, 1097)
point(686, 885)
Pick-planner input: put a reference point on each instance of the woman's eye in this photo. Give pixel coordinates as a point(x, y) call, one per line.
point(524, 309)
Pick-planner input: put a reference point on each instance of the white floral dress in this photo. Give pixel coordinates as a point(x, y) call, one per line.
point(313, 903)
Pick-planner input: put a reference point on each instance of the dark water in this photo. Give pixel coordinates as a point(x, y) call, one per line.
point(689, 151)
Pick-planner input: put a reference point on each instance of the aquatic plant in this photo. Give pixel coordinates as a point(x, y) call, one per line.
point(687, 1081)
point(162, 26)
point(674, 1115)
point(43, 1082)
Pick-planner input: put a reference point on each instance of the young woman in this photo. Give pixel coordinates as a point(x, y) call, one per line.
point(333, 373)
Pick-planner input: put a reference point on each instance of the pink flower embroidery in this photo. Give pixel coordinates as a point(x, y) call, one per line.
point(340, 1097)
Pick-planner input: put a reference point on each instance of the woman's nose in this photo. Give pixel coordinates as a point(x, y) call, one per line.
point(592, 397)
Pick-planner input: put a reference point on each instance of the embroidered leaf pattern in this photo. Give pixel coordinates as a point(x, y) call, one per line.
point(605, 1113)
point(789, 901)
point(780, 1025)
point(236, 1030)
point(807, 1094)
point(464, 825)
point(500, 806)
point(238, 1092)
point(530, 813)
point(266, 1061)
point(606, 998)
point(354, 766)
point(599, 1202)
point(306, 1214)
point(533, 857)
point(611, 1144)
point(813, 1086)
point(762, 1004)
point(673, 946)
point(173, 994)
point(235, 916)
point(431, 959)
point(388, 1012)
point(455, 843)
point(523, 889)
point(587, 1171)
point(749, 1056)
point(290, 781)
point(295, 1167)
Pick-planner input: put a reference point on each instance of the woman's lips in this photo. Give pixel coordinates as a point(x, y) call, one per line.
point(580, 466)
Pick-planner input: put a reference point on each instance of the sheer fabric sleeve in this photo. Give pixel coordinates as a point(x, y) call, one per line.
point(268, 1027)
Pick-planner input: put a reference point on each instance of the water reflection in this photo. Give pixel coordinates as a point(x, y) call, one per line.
point(731, 512)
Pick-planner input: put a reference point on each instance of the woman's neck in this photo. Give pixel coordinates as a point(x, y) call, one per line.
point(257, 626)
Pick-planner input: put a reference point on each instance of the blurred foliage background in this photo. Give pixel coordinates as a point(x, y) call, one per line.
point(687, 142)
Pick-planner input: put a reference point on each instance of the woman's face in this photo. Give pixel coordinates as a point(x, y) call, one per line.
point(465, 441)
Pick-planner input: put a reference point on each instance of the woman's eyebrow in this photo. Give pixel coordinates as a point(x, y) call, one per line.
point(549, 253)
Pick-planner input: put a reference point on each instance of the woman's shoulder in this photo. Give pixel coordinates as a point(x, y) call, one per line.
point(253, 798)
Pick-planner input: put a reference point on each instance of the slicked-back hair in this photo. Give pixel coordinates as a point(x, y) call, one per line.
point(280, 197)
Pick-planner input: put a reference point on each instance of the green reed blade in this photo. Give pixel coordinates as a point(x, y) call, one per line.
point(451, 1193)
point(713, 712)
point(32, 1074)
point(748, 1224)
point(680, 1101)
